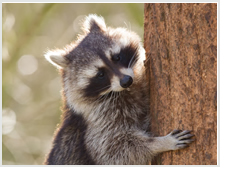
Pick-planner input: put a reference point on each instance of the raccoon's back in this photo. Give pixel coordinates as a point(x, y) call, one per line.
point(68, 146)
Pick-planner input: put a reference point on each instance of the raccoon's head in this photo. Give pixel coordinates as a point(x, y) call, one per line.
point(101, 61)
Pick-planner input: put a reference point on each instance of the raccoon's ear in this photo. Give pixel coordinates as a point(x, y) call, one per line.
point(94, 23)
point(56, 58)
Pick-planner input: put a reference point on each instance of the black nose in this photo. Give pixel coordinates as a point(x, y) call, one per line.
point(126, 81)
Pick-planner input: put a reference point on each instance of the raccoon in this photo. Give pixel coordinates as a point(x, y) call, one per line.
point(106, 118)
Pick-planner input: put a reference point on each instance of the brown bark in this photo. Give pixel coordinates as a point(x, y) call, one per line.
point(181, 48)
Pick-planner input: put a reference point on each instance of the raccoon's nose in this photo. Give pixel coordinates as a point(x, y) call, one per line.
point(126, 81)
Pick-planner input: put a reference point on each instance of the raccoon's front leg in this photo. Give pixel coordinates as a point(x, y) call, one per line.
point(175, 140)
point(135, 147)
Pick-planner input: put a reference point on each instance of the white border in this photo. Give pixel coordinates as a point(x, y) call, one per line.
point(221, 109)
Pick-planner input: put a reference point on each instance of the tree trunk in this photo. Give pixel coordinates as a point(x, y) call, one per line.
point(181, 47)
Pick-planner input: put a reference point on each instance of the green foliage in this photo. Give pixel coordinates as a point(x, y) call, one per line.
point(31, 98)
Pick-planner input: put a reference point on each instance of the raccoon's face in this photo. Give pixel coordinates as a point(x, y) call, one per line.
point(104, 60)
point(111, 71)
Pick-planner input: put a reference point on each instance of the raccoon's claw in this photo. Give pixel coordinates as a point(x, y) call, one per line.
point(183, 138)
point(174, 132)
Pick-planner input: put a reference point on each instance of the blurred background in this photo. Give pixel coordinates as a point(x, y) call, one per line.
point(31, 98)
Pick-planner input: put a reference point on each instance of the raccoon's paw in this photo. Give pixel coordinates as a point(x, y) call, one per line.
point(181, 139)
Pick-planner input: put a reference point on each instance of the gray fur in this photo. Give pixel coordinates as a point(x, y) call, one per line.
point(116, 124)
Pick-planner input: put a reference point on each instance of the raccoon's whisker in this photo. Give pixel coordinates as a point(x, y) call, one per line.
point(113, 97)
point(122, 93)
point(106, 100)
point(129, 65)
point(146, 61)
point(102, 88)
point(116, 98)
point(134, 62)
point(128, 27)
point(101, 98)
point(118, 95)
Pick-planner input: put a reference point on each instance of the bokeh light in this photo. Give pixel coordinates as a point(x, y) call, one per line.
point(31, 97)
point(27, 64)
point(8, 120)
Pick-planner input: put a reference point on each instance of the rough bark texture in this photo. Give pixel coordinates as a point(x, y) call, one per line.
point(181, 48)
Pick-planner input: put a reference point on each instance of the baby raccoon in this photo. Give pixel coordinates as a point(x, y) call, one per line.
point(106, 103)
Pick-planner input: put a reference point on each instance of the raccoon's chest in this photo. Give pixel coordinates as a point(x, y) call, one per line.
point(106, 121)
point(103, 135)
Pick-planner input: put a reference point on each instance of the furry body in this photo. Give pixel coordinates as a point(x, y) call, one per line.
point(106, 102)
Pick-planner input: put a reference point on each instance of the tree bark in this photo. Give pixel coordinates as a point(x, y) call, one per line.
point(181, 48)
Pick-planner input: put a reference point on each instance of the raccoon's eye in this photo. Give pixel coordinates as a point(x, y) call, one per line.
point(100, 74)
point(116, 58)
